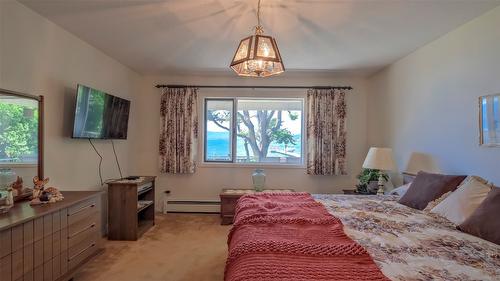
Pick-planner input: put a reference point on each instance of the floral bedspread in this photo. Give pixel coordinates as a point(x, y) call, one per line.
point(408, 244)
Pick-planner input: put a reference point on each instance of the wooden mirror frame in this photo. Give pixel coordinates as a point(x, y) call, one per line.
point(40, 101)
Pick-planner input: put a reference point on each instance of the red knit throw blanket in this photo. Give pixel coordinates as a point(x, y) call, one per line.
point(289, 236)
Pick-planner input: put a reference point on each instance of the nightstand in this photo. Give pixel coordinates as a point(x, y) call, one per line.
point(350, 191)
point(229, 198)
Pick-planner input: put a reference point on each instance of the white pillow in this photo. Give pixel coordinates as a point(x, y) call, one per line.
point(400, 190)
point(461, 203)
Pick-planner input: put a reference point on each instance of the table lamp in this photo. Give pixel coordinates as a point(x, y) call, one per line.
point(381, 159)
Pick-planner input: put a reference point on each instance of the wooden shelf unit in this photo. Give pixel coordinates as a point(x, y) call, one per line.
point(127, 221)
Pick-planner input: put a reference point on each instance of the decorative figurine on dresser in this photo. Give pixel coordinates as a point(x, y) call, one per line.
point(43, 195)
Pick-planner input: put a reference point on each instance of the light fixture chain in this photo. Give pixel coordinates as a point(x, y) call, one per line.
point(258, 13)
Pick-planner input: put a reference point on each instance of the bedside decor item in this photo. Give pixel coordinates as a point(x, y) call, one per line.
point(368, 181)
point(489, 120)
point(259, 179)
point(380, 159)
point(257, 55)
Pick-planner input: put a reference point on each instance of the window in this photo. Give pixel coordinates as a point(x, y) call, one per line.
point(18, 130)
point(247, 130)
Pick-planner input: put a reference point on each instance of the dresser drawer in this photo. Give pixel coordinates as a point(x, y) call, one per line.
point(90, 221)
point(89, 233)
point(85, 250)
point(84, 240)
point(6, 267)
point(5, 242)
point(81, 210)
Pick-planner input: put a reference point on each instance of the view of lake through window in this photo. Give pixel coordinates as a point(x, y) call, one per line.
point(267, 130)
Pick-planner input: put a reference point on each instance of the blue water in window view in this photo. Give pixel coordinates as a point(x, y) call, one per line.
point(219, 148)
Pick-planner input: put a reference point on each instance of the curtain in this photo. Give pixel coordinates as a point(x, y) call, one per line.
point(326, 133)
point(179, 130)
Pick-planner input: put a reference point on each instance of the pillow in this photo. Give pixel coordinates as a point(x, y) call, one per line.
point(484, 222)
point(464, 201)
point(434, 203)
point(400, 190)
point(427, 187)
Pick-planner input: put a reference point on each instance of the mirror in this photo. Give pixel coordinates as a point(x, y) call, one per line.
point(489, 120)
point(21, 142)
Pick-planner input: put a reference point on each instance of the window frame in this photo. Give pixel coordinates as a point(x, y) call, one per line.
point(231, 133)
point(38, 163)
point(233, 140)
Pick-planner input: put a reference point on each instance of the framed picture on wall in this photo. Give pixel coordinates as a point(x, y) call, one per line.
point(489, 120)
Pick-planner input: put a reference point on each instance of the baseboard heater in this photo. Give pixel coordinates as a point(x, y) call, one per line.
point(179, 206)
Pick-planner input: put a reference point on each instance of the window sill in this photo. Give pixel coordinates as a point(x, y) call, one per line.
point(18, 165)
point(253, 166)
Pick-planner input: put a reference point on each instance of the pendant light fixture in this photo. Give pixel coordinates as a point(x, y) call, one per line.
point(257, 55)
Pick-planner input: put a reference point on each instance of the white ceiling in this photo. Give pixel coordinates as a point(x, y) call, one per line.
point(176, 36)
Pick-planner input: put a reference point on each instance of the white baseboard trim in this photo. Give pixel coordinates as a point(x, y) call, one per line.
point(193, 206)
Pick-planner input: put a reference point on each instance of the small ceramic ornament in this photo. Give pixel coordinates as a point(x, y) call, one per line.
point(56, 195)
point(18, 186)
point(10, 197)
point(39, 186)
point(45, 195)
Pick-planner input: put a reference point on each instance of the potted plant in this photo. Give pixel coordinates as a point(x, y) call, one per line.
point(368, 181)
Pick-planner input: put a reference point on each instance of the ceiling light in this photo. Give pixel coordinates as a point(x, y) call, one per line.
point(257, 55)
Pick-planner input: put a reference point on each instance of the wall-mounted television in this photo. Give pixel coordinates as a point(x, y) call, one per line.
point(99, 115)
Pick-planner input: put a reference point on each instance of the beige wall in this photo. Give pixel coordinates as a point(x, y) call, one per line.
point(427, 102)
point(207, 182)
point(40, 58)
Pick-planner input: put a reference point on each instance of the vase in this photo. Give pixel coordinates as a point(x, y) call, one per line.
point(373, 187)
point(7, 177)
point(259, 179)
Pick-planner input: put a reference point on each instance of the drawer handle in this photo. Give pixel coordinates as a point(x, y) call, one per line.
point(82, 251)
point(82, 209)
point(83, 230)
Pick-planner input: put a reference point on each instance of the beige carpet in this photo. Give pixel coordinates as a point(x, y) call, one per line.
point(180, 247)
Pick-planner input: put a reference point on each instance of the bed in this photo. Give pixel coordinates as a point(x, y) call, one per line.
point(298, 237)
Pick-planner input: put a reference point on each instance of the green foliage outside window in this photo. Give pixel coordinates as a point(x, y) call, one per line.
point(18, 133)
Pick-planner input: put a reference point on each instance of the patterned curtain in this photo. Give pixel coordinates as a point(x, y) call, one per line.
point(179, 130)
point(326, 133)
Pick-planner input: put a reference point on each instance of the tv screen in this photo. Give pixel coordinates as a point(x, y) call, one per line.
point(99, 115)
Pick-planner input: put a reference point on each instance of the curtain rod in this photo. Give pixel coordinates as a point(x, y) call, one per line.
point(256, 87)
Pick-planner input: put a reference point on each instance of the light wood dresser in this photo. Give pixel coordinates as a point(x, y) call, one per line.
point(229, 198)
point(50, 242)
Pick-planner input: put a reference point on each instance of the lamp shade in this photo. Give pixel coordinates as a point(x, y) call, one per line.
point(257, 56)
point(379, 158)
